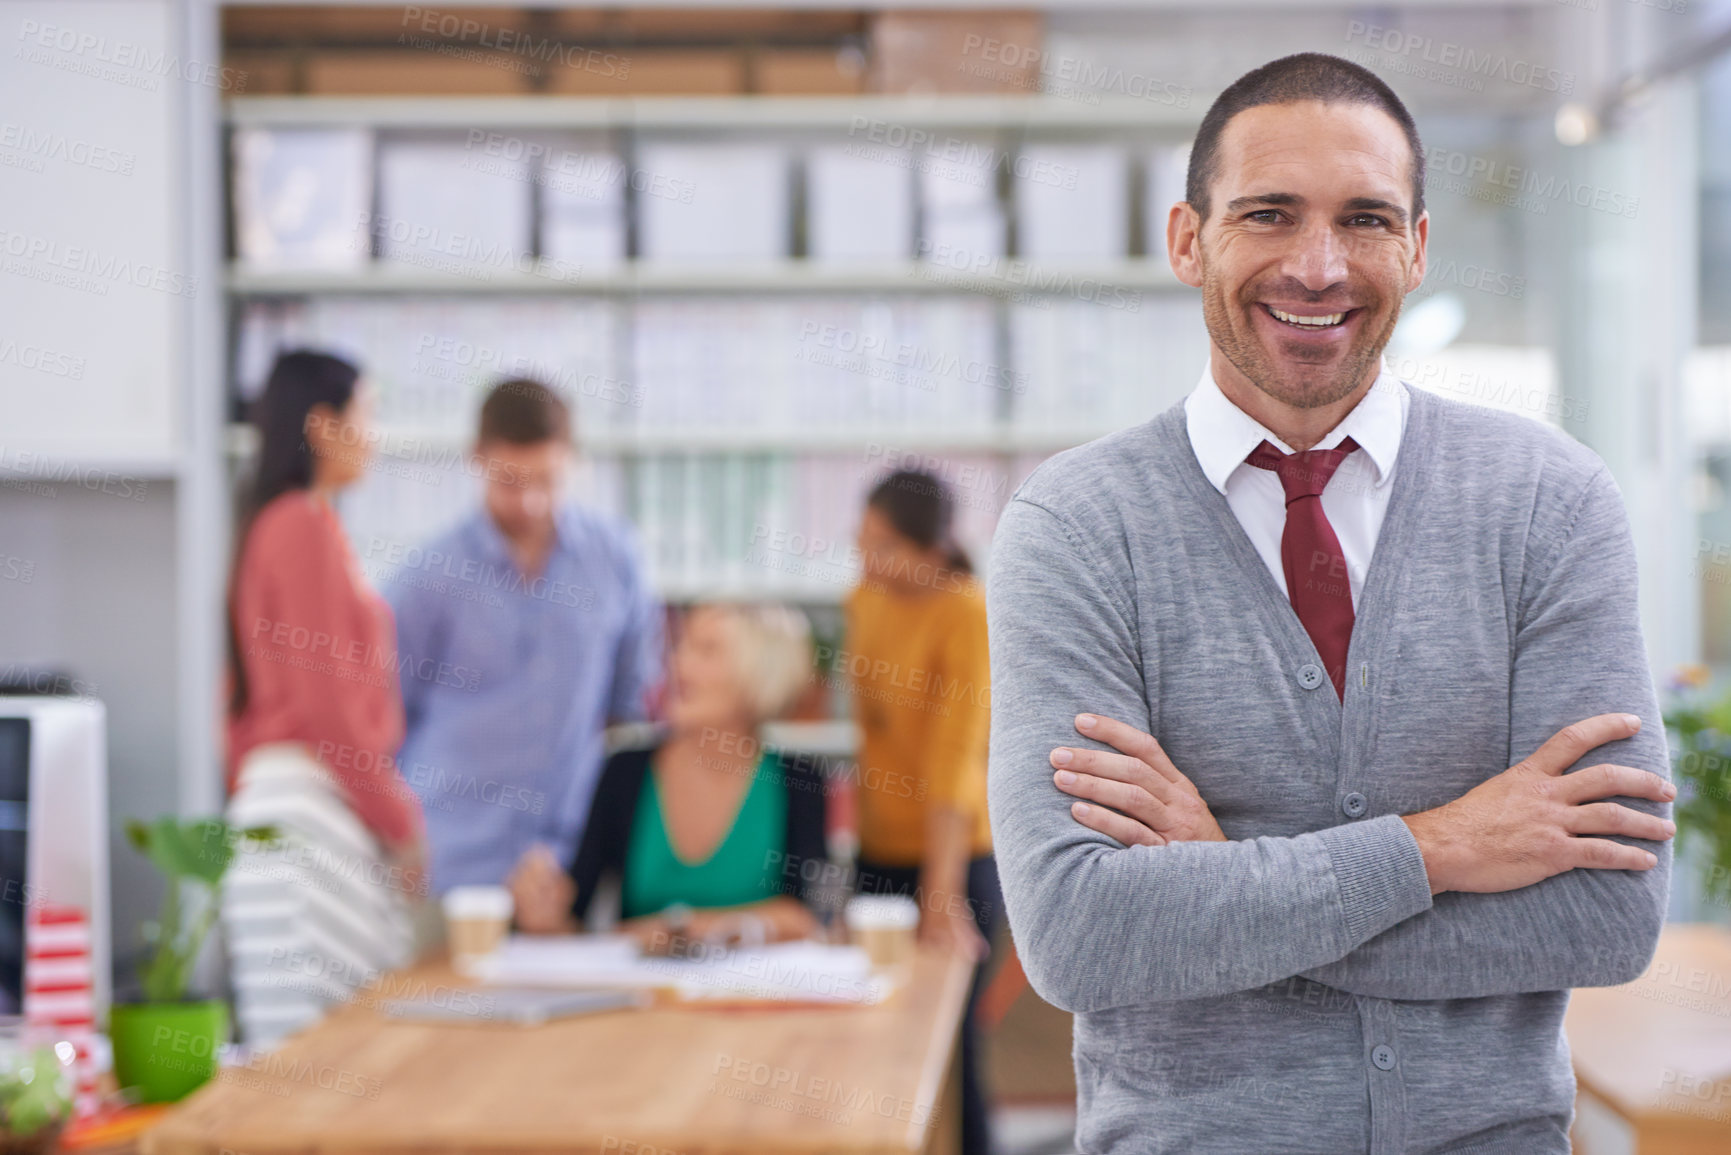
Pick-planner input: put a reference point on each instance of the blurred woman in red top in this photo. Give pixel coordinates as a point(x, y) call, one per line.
point(314, 721)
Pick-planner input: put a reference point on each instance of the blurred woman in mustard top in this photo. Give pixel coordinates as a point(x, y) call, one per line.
point(916, 655)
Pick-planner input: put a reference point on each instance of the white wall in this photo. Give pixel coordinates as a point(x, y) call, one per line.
point(95, 299)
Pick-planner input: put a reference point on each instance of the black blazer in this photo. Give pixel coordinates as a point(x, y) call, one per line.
point(602, 850)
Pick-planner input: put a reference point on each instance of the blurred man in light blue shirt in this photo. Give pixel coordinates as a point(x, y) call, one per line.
point(532, 627)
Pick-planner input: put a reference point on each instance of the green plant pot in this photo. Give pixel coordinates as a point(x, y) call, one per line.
point(167, 1050)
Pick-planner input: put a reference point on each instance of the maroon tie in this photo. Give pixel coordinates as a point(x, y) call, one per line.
point(1310, 555)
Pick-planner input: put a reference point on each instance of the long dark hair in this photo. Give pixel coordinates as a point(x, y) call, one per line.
point(920, 507)
point(298, 381)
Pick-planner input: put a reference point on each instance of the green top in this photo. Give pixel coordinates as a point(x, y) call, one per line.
point(739, 871)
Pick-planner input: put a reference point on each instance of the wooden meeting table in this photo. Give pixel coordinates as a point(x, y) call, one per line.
point(672, 1077)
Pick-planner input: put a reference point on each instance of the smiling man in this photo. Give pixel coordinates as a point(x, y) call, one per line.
point(1325, 758)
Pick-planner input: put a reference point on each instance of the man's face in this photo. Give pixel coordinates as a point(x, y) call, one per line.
point(1308, 222)
point(523, 483)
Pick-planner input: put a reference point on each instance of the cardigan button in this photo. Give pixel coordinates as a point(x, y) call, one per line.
point(1310, 675)
point(1354, 805)
point(1383, 1057)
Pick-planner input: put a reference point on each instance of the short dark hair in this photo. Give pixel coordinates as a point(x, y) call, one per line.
point(1304, 76)
point(522, 411)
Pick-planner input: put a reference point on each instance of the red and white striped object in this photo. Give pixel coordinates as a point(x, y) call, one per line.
point(59, 990)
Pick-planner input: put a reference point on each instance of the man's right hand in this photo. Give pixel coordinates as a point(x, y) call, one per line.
point(1533, 821)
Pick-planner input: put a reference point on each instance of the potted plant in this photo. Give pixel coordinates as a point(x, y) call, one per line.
point(1702, 766)
point(167, 1045)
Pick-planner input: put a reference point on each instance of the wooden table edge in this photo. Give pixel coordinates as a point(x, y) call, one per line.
point(958, 978)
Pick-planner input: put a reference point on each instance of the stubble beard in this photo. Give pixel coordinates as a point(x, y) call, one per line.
point(1248, 355)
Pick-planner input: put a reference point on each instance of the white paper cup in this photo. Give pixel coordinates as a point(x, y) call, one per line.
point(477, 918)
point(885, 926)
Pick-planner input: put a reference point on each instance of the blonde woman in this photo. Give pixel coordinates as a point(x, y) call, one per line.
point(707, 829)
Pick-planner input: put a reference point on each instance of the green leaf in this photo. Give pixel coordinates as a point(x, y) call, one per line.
point(1701, 763)
point(211, 845)
point(167, 848)
point(197, 852)
point(138, 834)
point(32, 1104)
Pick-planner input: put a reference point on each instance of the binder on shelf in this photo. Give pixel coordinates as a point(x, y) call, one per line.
point(265, 329)
point(434, 358)
point(1090, 369)
point(965, 240)
point(963, 174)
point(301, 197)
point(582, 189)
point(962, 222)
point(1073, 202)
point(707, 203)
point(1163, 187)
point(577, 245)
point(859, 204)
point(739, 433)
point(447, 206)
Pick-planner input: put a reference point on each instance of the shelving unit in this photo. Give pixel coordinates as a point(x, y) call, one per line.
point(713, 113)
point(622, 447)
point(1022, 277)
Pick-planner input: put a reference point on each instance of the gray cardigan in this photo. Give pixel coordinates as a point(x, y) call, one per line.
point(1297, 989)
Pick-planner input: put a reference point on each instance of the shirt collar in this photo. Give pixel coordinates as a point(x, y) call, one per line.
point(491, 539)
point(1223, 435)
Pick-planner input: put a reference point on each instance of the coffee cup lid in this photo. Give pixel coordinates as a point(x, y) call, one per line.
point(882, 912)
point(478, 902)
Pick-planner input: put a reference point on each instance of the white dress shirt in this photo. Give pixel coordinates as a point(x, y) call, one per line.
point(1356, 497)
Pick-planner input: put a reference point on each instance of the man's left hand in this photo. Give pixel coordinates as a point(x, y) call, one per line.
point(1137, 795)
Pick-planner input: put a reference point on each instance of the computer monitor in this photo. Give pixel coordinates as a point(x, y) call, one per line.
point(14, 867)
point(53, 841)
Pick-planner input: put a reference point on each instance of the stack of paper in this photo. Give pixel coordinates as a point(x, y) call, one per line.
point(783, 972)
point(301, 197)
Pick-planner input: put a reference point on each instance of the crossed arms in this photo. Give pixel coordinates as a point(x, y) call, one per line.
point(1535, 880)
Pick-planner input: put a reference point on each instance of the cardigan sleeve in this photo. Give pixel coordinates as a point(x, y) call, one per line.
point(601, 850)
point(1578, 652)
point(320, 660)
point(1100, 925)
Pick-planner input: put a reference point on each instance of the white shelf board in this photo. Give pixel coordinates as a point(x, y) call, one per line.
point(743, 113)
point(1182, 6)
point(240, 440)
point(997, 439)
point(1012, 277)
point(838, 737)
point(807, 592)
